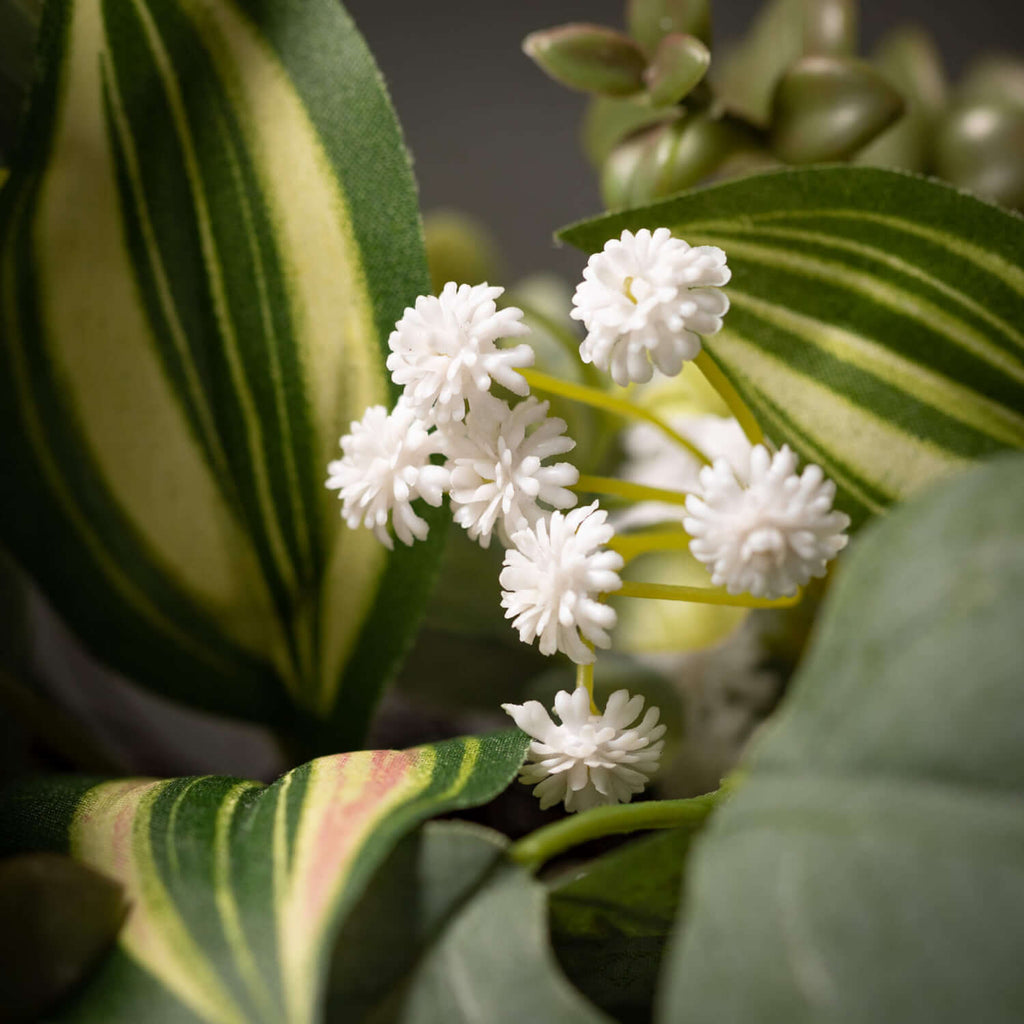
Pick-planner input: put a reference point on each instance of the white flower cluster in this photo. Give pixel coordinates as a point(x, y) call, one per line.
point(449, 434)
point(588, 759)
point(760, 526)
point(645, 299)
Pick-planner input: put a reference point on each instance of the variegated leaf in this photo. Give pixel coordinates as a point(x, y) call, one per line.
point(238, 889)
point(876, 320)
point(208, 232)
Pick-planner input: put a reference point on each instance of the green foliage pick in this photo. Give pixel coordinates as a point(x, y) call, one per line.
point(870, 866)
point(185, 334)
point(238, 889)
point(874, 323)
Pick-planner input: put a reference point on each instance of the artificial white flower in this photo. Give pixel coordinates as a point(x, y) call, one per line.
point(589, 759)
point(385, 467)
point(495, 461)
point(553, 578)
point(443, 350)
point(645, 299)
point(769, 533)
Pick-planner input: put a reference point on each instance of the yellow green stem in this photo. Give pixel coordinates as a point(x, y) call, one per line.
point(585, 678)
point(632, 545)
point(627, 490)
point(609, 403)
point(740, 410)
point(702, 595)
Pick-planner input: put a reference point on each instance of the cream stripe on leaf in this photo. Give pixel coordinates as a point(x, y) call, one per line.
point(208, 232)
point(876, 320)
point(237, 890)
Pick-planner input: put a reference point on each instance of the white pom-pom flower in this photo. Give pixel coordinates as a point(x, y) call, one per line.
point(386, 466)
point(443, 350)
point(770, 533)
point(588, 760)
point(495, 460)
point(553, 578)
point(645, 299)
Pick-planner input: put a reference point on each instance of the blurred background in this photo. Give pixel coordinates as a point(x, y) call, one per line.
point(493, 136)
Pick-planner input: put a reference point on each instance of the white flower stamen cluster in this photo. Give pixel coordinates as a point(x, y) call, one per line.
point(445, 357)
point(769, 534)
point(588, 760)
point(553, 579)
point(443, 350)
point(645, 299)
point(495, 462)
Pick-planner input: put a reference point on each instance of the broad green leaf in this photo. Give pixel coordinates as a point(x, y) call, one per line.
point(57, 920)
point(433, 939)
point(870, 866)
point(237, 889)
point(875, 322)
point(208, 232)
point(19, 26)
point(611, 919)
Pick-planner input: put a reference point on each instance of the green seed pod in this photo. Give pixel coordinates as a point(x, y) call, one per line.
point(910, 61)
point(678, 65)
point(826, 108)
point(979, 146)
point(590, 58)
point(830, 27)
point(673, 156)
point(649, 21)
point(999, 79)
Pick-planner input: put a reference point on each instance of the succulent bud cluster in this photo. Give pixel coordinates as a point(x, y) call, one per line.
point(792, 91)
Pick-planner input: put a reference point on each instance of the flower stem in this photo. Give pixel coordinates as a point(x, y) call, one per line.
point(718, 380)
point(703, 595)
point(585, 678)
point(609, 403)
point(627, 490)
point(536, 849)
point(632, 545)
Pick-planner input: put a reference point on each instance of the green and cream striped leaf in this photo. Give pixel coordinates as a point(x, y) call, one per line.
point(238, 889)
point(209, 230)
point(877, 320)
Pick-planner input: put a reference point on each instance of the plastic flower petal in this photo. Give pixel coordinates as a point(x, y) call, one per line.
point(769, 534)
point(645, 299)
point(495, 458)
point(386, 466)
point(443, 350)
point(553, 578)
point(587, 760)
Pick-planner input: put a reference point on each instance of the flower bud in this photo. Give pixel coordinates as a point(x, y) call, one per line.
point(589, 58)
point(826, 108)
point(678, 65)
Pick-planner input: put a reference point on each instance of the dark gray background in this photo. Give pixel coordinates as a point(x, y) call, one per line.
point(492, 135)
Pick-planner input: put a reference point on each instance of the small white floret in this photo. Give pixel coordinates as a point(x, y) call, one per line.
point(443, 350)
point(385, 467)
point(588, 760)
point(770, 533)
point(553, 579)
point(645, 299)
point(495, 458)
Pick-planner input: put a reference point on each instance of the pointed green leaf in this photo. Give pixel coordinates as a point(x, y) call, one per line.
point(870, 866)
point(591, 58)
point(875, 322)
point(237, 889)
point(208, 233)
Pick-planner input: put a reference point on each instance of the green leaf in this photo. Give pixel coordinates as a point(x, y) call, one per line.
point(875, 322)
point(208, 233)
point(590, 58)
point(19, 26)
point(870, 866)
point(611, 919)
point(57, 920)
point(450, 931)
point(237, 889)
